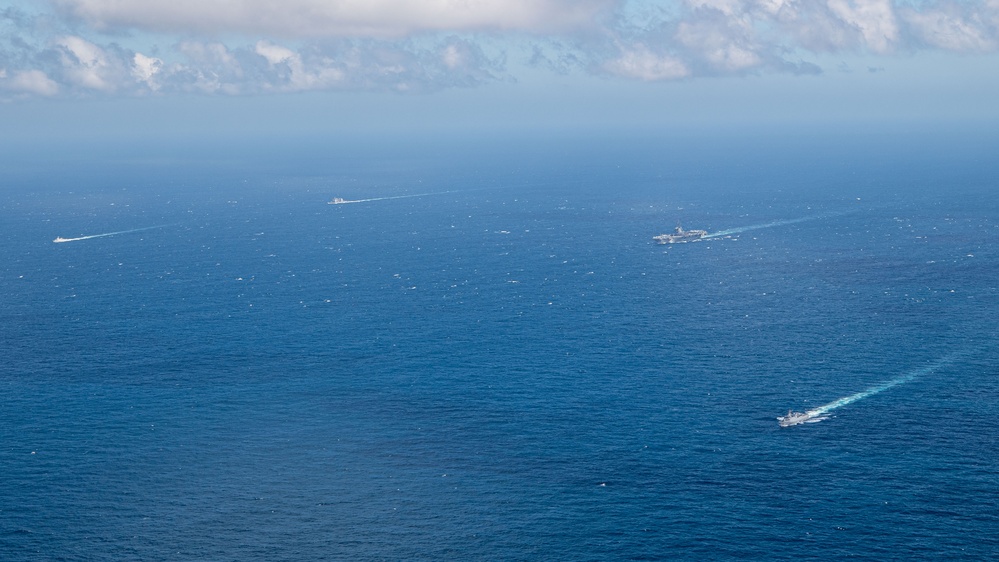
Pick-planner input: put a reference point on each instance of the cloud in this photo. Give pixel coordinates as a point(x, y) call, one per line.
point(70, 65)
point(956, 27)
point(338, 18)
point(296, 76)
point(133, 47)
point(638, 61)
point(724, 37)
point(874, 19)
point(86, 64)
point(269, 67)
point(725, 44)
point(29, 82)
point(144, 69)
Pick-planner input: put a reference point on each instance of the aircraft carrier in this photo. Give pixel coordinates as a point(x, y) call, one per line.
point(679, 235)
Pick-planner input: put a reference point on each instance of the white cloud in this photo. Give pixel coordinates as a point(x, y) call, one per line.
point(725, 46)
point(641, 63)
point(210, 53)
point(33, 82)
point(298, 77)
point(451, 56)
point(276, 54)
point(145, 69)
point(874, 18)
point(86, 64)
point(339, 18)
point(948, 28)
point(727, 7)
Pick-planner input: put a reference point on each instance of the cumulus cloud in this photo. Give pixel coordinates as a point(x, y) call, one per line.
point(297, 77)
point(144, 69)
point(86, 64)
point(718, 37)
point(726, 44)
point(874, 19)
point(72, 65)
point(99, 47)
point(638, 61)
point(29, 82)
point(956, 27)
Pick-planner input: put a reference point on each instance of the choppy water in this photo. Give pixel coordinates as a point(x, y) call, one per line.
point(508, 370)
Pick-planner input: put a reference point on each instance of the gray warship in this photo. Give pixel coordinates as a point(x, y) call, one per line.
point(679, 235)
point(792, 418)
point(795, 418)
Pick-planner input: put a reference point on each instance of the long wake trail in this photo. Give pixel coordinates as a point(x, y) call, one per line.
point(771, 224)
point(347, 201)
point(817, 414)
point(60, 239)
point(742, 229)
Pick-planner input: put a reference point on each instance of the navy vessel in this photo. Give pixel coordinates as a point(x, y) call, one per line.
point(795, 418)
point(680, 235)
point(792, 418)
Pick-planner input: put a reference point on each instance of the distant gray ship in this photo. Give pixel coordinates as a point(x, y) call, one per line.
point(680, 235)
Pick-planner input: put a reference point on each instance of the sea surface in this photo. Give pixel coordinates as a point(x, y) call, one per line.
point(492, 360)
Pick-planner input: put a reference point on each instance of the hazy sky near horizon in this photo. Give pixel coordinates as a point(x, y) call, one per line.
point(73, 66)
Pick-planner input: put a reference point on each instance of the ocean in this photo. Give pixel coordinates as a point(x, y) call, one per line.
point(492, 359)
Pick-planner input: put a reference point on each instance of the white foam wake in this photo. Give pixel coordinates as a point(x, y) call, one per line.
point(347, 201)
point(60, 239)
point(817, 414)
point(742, 229)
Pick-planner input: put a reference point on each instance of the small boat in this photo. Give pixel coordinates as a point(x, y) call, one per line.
point(61, 239)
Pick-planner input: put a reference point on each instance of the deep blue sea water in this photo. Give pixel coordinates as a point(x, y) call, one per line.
point(503, 367)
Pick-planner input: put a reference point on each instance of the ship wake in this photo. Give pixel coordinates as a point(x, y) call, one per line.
point(742, 229)
point(338, 201)
point(60, 239)
point(822, 412)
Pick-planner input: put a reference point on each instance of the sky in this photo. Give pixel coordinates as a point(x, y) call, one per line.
point(92, 68)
